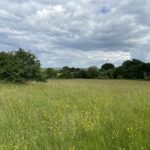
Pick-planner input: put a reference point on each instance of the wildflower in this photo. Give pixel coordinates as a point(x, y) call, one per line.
point(15, 147)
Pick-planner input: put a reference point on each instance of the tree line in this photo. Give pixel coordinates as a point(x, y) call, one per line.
point(130, 69)
point(22, 66)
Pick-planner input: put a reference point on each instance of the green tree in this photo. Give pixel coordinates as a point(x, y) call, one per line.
point(92, 72)
point(106, 74)
point(50, 73)
point(133, 69)
point(107, 66)
point(81, 73)
point(65, 73)
point(19, 66)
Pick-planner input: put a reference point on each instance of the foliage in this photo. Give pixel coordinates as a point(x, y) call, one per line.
point(50, 73)
point(133, 69)
point(92, 72)
point(130, 69)
point(65, 72)
point(106, 74)
point(107, 66)
point(19, 66)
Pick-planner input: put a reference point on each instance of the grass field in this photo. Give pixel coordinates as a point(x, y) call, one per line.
point(75, 115)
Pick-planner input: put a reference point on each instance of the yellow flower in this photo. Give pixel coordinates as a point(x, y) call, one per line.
point(15, 147)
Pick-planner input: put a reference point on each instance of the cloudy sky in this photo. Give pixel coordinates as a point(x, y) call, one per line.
point(77, 33)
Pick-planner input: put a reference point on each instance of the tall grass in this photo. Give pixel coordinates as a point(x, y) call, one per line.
point(75, 115)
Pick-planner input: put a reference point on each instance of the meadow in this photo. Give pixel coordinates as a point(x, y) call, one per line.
point(75, 115)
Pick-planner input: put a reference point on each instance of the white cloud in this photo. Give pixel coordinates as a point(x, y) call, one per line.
point(87, 32)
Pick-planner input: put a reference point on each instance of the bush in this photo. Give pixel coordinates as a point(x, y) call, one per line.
point(92, 72)
point(106, 74)
point(50, 73)
point(19, 66)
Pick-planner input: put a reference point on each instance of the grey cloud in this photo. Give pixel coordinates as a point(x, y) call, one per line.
point(63, 32)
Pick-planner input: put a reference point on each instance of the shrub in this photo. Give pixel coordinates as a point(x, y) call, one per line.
point(19, 66)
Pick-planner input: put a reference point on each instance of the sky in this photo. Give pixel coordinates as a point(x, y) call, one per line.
point(77, 33)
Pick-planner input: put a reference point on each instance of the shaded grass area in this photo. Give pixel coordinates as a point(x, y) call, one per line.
point(75, 115)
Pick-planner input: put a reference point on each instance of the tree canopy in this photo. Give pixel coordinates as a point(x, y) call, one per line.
point(19, 66)
point(22, 66)
point(107, 66)
point(130, 69)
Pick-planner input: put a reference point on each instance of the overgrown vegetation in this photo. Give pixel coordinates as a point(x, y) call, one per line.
point(75, 115)
point(22, 66)
point(19, 66)
point(130, 69)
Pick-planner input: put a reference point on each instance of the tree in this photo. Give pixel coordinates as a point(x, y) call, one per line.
point(106, 74)
point(50, 73)
point(118, 72)
point(82, 73)
point(65, 73)
point(6, 66)
point(19, 66)
point(92, 72)
point(107, 66)
point(133, 69)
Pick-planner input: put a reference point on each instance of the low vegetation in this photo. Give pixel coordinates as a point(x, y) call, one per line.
point(130, 69)
point(75, 115)
point(21, 66)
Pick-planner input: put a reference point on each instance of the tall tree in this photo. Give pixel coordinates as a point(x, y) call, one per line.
point(107, 66)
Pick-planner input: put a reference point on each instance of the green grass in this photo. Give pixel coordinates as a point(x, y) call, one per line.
point(75, 115)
